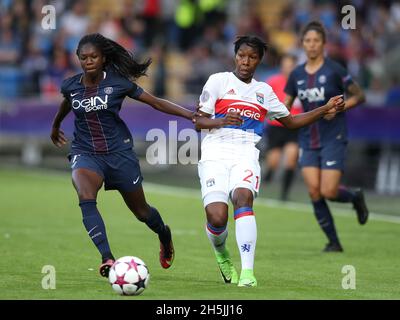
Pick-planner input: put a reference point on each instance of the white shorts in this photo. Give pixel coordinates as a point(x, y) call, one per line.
point(220, 178)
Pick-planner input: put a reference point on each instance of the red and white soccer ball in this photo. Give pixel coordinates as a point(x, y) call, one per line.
point(129, 276)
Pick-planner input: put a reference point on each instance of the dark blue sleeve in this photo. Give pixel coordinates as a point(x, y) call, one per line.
point(64, 89)
point(344, 77)
point(134, 91)
point(290, 88)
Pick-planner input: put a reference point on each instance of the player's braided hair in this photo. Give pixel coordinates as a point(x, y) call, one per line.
point(251, 41)
point(117, 57)
point(315, 26)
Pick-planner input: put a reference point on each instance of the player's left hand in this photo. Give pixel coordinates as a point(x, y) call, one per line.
point(58, 137)
point(340, 105)
point(194, 115)
point(335, 104)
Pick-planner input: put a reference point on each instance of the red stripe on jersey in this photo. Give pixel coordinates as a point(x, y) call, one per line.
point(315, 141)
point(96, 129)
point(247, 109)
point(90, 91)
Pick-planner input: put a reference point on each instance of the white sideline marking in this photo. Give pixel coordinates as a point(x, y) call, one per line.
point(271, 203)
point(196, 194)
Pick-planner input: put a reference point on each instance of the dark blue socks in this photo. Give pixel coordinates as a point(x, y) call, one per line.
point(325, 219)
point(344, 195)
point(95, 227)
point(287, 182)
point(155, 223)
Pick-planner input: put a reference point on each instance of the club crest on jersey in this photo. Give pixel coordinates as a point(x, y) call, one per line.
point(108, 90)
point(322, 79)
point(205, 95)
point(260, 97)
point(210, 182)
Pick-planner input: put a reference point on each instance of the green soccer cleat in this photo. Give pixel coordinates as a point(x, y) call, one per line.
point(228, 271)
point(247, 279)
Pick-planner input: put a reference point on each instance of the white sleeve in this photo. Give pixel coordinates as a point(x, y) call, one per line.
point(276, 109)
point(210, 94)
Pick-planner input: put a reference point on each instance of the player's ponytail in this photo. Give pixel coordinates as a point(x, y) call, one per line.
point(117, 57)
point(315, 26)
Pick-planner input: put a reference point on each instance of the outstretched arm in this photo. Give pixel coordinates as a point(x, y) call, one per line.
point(165, 106)
point(203, 121)
point(335, 104)
point(57, 135)
point(356, 96)
point(289, 101)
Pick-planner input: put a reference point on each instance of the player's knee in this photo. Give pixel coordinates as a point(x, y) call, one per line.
point(329, 193)
point(314, 193)
point(217, 221)
point(217, 216)
point(141, 213)
point(242, 198)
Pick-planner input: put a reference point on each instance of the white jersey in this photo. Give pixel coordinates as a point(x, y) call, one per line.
point(224, 92)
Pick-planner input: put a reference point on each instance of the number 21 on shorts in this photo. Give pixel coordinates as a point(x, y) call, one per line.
point(250, 178)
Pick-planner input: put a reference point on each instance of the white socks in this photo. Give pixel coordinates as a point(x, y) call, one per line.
point(246, 236)
point(217, 237)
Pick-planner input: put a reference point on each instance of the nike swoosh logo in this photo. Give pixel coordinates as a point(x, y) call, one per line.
point(73, 95)
point(92, 229)
point(135, 181)
point(330, 163)
point(300, 82)
point(225, 278)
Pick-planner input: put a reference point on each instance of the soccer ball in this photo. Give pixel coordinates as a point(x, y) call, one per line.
point(129, 276)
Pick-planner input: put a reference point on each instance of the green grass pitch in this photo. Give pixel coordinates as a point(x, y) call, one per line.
point(41, 225)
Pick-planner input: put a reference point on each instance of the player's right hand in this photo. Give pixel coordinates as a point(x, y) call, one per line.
point(58, 137)
point(232, 118)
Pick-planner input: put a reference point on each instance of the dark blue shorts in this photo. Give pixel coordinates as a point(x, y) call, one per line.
point(120, 170)
point(331, 156)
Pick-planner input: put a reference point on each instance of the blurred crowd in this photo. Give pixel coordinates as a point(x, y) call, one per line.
point(190, 39)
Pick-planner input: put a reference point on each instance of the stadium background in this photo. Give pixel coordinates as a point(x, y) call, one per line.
point(189, 40)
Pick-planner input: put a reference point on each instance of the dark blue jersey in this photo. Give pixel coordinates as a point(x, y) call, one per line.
point(315, 90)
point(98, 127)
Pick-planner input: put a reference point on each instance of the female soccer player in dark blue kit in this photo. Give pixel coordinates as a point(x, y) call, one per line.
point(101, 151)
point(323, 144)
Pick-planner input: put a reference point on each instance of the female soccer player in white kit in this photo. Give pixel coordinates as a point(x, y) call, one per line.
point(233, 106)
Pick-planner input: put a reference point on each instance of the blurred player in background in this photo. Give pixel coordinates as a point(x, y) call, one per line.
point(102, 148)
point(282, 142)
point(233, 106)
point(323, 144)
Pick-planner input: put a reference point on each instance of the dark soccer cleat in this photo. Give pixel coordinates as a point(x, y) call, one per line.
point(333, 247)
point(105, 267)
point(360, 206)
point(167, 252)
